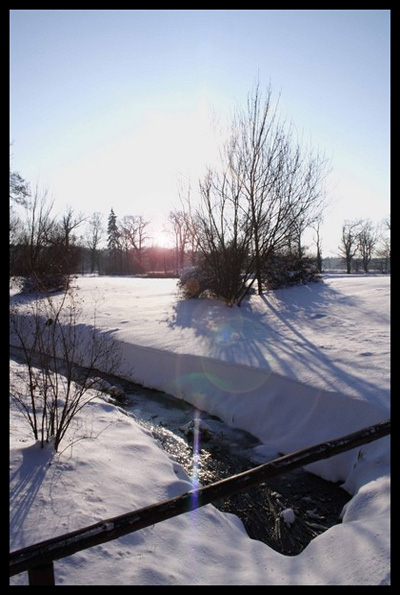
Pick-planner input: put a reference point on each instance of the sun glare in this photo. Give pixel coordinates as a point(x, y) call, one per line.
point(162, 239)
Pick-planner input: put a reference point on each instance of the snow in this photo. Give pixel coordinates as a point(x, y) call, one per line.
point(294, 367)
point(288, 515)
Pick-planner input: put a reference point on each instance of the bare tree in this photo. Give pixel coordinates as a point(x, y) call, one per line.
point(305, 192)
point(269, 189)
point(180, 224)
point(142, 235)
point(350, 242)
point(94, 236)
point(255, 155)
point(62, 353)
point(134, 235)
point(35, 231)
point(63, 246)
point(367, 241)
point(45, 250)
point(223, 234)
point(316, 226)
point(281, 181)
point(69, 222)
point(384, 248)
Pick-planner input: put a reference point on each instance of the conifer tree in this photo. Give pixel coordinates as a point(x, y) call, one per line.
point(114, 243)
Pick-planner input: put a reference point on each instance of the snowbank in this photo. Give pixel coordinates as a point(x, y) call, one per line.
point(283, 413)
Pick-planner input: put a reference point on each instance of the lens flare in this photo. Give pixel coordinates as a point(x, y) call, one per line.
point(196, 457)
point(223, 327)
point(233, 379)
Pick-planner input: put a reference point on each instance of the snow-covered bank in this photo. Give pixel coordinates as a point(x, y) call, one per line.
point(283, 413)
point(303, 365)
point(333, 335)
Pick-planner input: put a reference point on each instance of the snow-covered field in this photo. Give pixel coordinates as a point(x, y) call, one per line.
point(294, 367)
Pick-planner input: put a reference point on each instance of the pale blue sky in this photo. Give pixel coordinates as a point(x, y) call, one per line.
point(109, 108)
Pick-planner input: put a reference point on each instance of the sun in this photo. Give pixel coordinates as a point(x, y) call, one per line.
point(162, 239)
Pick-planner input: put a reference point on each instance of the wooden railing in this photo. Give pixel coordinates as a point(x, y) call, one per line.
point(38, 559)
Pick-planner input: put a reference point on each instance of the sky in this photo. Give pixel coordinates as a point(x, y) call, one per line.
point(113, 108)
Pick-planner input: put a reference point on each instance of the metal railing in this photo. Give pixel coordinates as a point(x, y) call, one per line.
point(38, 559)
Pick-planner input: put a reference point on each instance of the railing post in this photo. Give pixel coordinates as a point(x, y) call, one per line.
point(42, 575)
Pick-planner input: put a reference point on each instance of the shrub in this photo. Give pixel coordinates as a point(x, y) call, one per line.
point(45, 283)
point(193, 282)
point(287, 269)
point(62, 354)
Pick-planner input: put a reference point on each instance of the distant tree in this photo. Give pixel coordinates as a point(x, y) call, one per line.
point(142, 235)
point(350, 242)
point(63, 241)
point(133, 236)
point(19, 193)
point(38, 228)
point(316, 226)
point(367, 240)
point(384, 248)
point(19, 189)
point(114, 243)
point(69, 222)
point(181, 226)
point(43, 249)
point(35, 258)
point(93, 237)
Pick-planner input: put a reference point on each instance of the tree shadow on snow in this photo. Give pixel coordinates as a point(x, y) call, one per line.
point(25, 483)
point(277, 331)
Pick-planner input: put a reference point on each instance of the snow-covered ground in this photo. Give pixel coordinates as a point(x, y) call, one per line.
point(294, 367)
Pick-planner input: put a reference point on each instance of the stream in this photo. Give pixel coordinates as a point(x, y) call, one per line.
point(286, 513)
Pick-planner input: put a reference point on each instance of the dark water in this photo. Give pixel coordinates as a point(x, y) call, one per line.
point(210, 450)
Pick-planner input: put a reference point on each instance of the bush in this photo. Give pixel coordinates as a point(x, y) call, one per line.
point(281, 270)
point(219, 273)
point(62, 354)
point(193, 282)
point(286, 269)
point(45, 283)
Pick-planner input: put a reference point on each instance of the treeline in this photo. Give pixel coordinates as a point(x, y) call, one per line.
point(365, 246)
point(46, 250)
